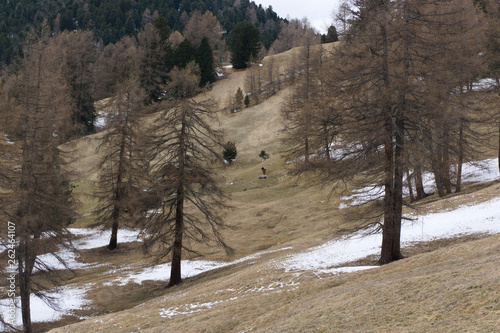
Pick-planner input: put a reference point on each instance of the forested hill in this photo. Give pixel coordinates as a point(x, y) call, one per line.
point(112, 19)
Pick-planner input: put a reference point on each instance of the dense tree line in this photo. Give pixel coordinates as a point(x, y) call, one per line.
point(109, 21)
point(93, 71)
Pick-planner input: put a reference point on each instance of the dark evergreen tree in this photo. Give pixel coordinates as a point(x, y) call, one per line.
point(205, 61)
point(161, 25)
point(331, 35)
point(167, 52)
point(184, 54)
point(244, 44)
point(230, 152)
point(79, 56)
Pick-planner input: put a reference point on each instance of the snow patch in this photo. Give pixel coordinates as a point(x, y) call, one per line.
point(484, 84)
point(189, 308)
point(189, 268)
point(67, 299)
point(472, 172)
point(94, 238)
point(100, 121)
point(465, 220)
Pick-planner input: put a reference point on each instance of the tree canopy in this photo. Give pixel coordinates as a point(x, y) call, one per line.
point(244, 44)
point(111, 20)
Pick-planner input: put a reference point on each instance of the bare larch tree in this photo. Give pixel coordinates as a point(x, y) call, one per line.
point(38, 196)
point(119, 183)
point(184, 148)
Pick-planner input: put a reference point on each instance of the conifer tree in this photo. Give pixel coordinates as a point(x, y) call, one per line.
point(205, 61)
point(78, 61)
point(152, 63)
point(244, 44)
point(37, 197)
point(238, 100)
point(120, 175)
point(184, 54)
point(183, 149)
point(298, 111)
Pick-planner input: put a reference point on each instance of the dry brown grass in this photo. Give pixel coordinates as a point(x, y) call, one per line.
point(456, 288)
point(446, 285)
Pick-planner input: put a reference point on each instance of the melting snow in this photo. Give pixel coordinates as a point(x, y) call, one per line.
point(93, 238)
point(100, 121)
point(88, 239)
point(188, 308)
point(67, 299)
point(484, 84)
point(189, 268)
point(482, 172)
point(467, 219)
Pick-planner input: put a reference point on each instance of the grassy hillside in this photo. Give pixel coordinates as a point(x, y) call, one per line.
point(443, 285)
point(453, 288)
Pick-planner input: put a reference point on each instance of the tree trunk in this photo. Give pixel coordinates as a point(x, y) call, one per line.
point(386, 255)
point(393, 170)
point(419, 183)
point(410, 185)
point(438, 179)
point(175, 271)
point(458, 186)
point(327, 143)
point(445, 164)
point(113, 242)
point(24, 265)
point(398, 186)
point(388, 226)
point(25, 302)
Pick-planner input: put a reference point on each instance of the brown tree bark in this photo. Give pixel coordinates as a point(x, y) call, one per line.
point(409, 178)
point(419, 184)
point(458, 185)
point(113, 241)
point(393, 172)
point(175, 271)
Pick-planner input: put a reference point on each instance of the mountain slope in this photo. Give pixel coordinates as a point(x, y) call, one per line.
point(442, 286)
point(455, 287)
